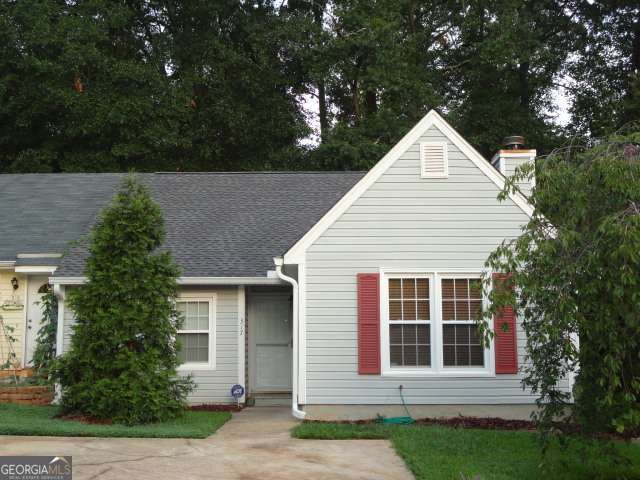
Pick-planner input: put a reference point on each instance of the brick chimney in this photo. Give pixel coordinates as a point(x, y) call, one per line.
point(513, 155)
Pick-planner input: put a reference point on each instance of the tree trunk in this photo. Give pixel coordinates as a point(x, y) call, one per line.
point(523, 77)
point(412, 16)
point(356, 100)
point(635, 52)
point(371, 102)
point(322, 106)
point(319, 8)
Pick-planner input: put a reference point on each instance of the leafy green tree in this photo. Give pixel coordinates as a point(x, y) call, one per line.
point(383, 62)
point(606, 67)
point(122, 362)
point(576, 273)
point(504, 68)
point(97, 85)
point(155, 85)
point(45, 352)
point(84, 88)
point(234, 63)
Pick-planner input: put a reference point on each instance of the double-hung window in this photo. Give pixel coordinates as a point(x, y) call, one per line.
point(461, 308)
point(409, 322)
point(196, 335)
point(430, 324)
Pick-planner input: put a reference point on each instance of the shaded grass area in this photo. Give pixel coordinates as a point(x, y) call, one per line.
point(436, 452)
point(40, 420)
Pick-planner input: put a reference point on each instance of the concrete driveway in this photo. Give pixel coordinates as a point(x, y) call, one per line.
point(255, 444)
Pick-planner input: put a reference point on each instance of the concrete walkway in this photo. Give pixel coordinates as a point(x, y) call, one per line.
point(255, 444)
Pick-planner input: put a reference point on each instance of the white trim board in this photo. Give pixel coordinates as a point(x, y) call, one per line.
point(241, 339)
point(36, 269)
point(302, 334)
point(39, 255)
point(296, 254)
point(60, 326)
point(25, 319)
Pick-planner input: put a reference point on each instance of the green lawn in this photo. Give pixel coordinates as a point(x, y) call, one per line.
point(433, 452)
point(39, 420)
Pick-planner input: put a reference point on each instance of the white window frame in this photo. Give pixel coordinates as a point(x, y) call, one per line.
point(437, 367)
point(202, 297)
point(384, 305)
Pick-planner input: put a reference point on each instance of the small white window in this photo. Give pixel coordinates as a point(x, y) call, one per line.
point(196, 336)
point(433, 160)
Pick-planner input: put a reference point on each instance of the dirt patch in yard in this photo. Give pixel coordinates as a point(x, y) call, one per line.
point(85, 419)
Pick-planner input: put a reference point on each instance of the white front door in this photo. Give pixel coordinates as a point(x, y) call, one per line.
point(34, 315)
point(271, 342)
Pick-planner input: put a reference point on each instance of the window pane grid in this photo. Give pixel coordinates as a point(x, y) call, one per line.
point(461, 346)
point(409, 322)
point(461, 305)
point(410, 345)
point(194, 334)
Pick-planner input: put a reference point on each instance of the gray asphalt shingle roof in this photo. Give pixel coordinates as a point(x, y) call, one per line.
point(217, 224)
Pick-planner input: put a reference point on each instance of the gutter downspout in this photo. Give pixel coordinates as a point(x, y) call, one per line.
point(295, 409)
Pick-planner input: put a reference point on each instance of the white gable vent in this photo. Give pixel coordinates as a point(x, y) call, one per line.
point(433, 160)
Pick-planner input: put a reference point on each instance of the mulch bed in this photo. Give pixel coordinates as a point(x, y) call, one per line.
point(196, 408)
point(85, 419)
point(456, 422)
point(478, 422)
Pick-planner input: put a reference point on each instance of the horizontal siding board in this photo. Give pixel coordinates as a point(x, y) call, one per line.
point(439, 211)
point(452, 223)
point(375, 231)
point(434, 202)
point(382, 241)
point(505, 218)
point(384, 252)
point(357, 399)
point(460, 195)
point(403, 222)
point(467, 177)
point(488, 390)
point(448, 186)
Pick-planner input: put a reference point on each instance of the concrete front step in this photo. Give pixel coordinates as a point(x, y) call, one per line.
point(271, 399)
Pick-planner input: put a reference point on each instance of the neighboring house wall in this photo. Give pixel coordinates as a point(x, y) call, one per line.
point(13, 318)
point(212, 385)
point(403, 222)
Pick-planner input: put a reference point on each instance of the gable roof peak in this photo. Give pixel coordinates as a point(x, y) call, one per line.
point(296, 253)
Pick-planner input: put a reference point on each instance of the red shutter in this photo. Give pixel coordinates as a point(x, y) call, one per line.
point(505, 342)
point(368, 324)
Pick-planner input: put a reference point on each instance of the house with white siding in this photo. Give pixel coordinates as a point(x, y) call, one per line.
point(339, 293)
